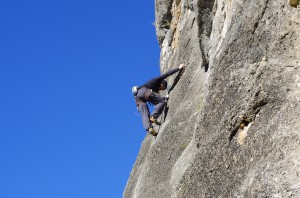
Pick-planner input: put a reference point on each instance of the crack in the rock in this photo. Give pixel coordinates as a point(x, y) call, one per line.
point(260, 17)
point(246, 120)
point(244, 123)
point(204, 21)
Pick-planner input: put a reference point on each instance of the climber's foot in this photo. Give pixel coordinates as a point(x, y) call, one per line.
point(154, 120)
point(152, 131)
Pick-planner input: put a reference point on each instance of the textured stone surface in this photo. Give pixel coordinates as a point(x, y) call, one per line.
point(232, 125)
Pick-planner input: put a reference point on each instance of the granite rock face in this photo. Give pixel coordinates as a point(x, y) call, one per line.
point(232, 124)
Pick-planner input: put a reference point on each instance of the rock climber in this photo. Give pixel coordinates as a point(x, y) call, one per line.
point(148, 92)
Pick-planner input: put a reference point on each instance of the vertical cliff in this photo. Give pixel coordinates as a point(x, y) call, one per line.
point(232, 124)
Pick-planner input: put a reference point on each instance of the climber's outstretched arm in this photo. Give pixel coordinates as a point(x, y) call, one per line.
point(169, 73)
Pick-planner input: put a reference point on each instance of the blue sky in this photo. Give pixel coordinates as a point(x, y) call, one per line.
point(68, 123)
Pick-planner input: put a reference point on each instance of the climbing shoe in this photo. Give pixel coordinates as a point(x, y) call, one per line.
point(152, 132)
point(154, 120)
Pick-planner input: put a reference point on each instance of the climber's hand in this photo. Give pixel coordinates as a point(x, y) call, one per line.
point(166, 97)
point(182, 66)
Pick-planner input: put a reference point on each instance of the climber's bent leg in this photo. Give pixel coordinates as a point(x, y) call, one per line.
point(159, 103)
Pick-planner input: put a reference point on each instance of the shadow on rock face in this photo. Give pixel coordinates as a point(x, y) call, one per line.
point(175, 81)
point(166, 112)
point(206, 66)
